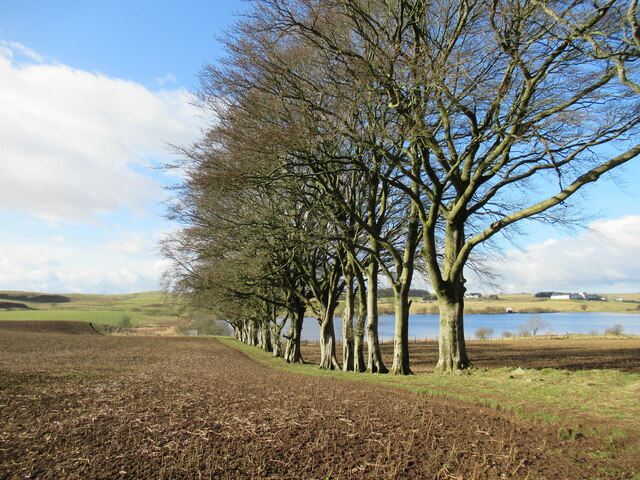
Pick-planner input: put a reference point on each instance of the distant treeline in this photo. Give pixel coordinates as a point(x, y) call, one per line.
point(413, 292)
point(13, 306)
point(34, 297)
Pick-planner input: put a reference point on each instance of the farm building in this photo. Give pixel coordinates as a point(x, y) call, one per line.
point(574, 296)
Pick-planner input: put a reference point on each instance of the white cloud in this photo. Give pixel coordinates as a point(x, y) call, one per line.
point(70, 138)
point(603, 259)
point(10, 49)
point(68, 269)
point(131, 243)
point(168, 78)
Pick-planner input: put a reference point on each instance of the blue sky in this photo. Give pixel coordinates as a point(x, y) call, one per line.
point(91, 94)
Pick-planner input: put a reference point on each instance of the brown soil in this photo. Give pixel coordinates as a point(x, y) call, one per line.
point(164, 330)
point(62, 327)
point(90, 406)
point(569, 354)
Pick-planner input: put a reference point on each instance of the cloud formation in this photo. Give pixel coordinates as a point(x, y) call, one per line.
point(604, 259)
point(168, 78)
point(62, 268)
point(75, 144)
point(12, 49)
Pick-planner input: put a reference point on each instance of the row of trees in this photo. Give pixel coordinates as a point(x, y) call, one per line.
point(356, 138)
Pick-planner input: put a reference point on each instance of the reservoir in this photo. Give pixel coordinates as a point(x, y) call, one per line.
point(426, 326)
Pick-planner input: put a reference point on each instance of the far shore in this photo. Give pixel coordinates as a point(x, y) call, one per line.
point(526, 303)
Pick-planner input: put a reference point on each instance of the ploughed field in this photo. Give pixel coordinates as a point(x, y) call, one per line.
point(572, 354)
point(76, 404)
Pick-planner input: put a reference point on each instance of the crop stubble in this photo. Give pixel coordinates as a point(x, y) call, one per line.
point(88, 406)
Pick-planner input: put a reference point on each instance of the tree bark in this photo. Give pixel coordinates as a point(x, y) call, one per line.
point(265, 335)
point(374, 355)
point(347, 325)
point(404, 272)
point(448, 282)
point(358, 340)
point(254, 334)
point(276, 340)
point(452, 351)
point(249, 333)
point(328, 358)
point(401, 331)
point(292, 352)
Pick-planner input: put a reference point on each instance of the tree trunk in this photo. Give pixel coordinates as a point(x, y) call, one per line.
point(292, 352)
point(401, 286)
point(249, 333)
point(374, 357)
point(358, 340)
point(254, 334)
point(265, 335)
point(276, 334)
point(401, 296)
point(401, 333)
point(328, 359)
point(347, 326)
point(448, 281)
point(452, 350)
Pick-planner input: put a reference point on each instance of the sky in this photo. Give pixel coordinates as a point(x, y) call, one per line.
point(92, 95)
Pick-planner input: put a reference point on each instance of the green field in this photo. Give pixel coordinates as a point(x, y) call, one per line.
point(101, 317)
point(143, 309)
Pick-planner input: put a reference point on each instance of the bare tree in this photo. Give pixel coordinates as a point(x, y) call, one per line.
point(617, 330)
point(482, 113)
point(535, 324)
point(516, 103)
point(484, 333)
point(497, 99)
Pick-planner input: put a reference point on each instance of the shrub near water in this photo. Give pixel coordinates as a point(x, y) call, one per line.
point(617, 329)
point(484, 333)
point(206, 325)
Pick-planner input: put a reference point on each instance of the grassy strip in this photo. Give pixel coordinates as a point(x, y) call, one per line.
point(605, 401)
point(104, 317)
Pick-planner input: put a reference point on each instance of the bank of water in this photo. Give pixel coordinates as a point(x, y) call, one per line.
point(426, 326)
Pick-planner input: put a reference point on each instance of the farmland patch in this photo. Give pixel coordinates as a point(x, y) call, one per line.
point(90, 406)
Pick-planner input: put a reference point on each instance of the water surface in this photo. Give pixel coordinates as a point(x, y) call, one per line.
point(426, 326)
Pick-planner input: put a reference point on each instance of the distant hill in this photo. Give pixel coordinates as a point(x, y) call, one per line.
point(13, 306)
point(34, 297)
